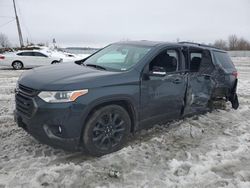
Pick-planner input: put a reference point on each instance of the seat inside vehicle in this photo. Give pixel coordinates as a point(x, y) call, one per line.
point(195, 64)
point(206, 64)
point(165, 61)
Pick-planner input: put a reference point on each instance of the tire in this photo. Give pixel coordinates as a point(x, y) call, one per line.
point(55, 62)
point(17, 65)
point(107, 130)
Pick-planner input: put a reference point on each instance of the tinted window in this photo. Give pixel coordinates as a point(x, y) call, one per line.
point(25, 54)
point(39, 54)
point(223, 59)
point(166, 60)
point(20, 54)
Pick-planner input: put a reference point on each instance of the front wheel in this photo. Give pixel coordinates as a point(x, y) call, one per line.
point(107, 130)
point(17, 65)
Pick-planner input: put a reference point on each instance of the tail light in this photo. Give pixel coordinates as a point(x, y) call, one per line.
point(235, 74)
point(2, 57)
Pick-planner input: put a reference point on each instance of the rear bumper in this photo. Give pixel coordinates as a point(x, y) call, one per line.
point(57, 125)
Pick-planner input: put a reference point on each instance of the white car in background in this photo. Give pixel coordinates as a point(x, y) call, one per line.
point(27, 59)
point(68, 57)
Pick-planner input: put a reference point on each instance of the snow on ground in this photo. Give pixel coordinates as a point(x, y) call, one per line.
point(211, 150)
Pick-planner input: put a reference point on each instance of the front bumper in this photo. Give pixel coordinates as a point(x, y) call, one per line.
point(57, 125)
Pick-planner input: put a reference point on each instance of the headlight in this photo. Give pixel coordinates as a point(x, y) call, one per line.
point(61, 96)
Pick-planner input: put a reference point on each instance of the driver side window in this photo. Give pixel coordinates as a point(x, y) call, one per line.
point(166, 61)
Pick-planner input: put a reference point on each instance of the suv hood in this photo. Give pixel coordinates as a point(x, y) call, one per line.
point(66, 76)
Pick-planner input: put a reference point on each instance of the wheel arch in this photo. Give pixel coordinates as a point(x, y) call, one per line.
point(126, 103)
point(54, 61)
point(17, 61)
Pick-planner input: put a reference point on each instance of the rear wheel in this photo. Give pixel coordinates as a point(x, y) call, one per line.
point(17, 65)
point(107, 130)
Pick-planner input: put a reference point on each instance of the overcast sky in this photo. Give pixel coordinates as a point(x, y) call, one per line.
point(99, 22)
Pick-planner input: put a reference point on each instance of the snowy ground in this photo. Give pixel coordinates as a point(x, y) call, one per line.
point(211, 150)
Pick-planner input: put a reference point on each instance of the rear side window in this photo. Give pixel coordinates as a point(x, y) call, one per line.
point(223, 60)
point(39, 54)
point(20, 54)
point(195, 61)
point(25, 54)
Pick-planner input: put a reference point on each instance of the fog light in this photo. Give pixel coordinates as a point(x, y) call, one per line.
point(53, 130)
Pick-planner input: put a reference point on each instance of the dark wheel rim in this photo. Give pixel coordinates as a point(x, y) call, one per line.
point(108, 131)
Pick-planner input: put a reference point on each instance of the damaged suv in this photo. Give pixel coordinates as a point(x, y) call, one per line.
point(95, 103)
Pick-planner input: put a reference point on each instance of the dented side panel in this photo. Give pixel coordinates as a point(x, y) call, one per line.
point(198, 93)
point(162, 98)
point(200, 86)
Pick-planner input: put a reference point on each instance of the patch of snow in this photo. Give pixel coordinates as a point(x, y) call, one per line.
point(211, 150)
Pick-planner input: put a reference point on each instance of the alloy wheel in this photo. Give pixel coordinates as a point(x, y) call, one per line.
point(17, 65)
point(108, 131)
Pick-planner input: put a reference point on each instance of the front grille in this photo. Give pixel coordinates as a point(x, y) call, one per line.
point(24, 102)
point(26, 90)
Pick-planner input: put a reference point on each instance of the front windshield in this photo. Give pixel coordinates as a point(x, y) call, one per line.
point(117, 57)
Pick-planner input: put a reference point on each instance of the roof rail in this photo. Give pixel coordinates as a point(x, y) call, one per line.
point(198, 44)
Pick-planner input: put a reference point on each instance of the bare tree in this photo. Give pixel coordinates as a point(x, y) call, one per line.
point(232, 42)
point(222, 44)
point(243, 44)
point(4, 41)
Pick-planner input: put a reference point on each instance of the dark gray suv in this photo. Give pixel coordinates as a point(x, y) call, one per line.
point(95, 103)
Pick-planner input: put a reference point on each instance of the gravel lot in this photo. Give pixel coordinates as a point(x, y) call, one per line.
point(211, 150)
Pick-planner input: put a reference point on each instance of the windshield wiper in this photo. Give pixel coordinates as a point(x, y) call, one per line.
point(95, 66)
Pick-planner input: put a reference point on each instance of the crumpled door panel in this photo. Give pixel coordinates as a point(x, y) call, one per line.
point(198, 93)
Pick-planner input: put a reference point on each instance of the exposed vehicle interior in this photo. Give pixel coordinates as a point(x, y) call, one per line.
point(200, 61)
point(166, 61)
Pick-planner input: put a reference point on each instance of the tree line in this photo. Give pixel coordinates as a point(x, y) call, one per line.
point(233, 43)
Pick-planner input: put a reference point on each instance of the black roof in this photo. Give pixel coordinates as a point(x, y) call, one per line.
point(160, 43)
